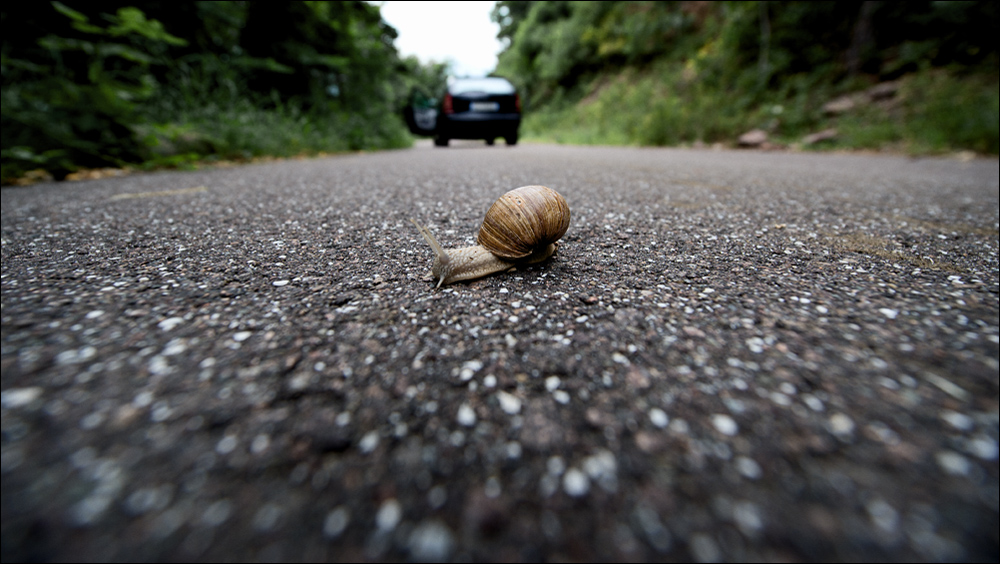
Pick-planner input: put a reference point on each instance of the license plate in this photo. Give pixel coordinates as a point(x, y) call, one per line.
point(484, 106)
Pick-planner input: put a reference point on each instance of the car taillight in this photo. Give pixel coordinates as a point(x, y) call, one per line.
point(448, 109)
point(517, 102)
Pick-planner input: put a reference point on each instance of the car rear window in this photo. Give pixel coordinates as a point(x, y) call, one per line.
point(485, 85)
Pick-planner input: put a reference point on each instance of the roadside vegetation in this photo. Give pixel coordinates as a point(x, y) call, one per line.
point(88, 85)
point(918, 77)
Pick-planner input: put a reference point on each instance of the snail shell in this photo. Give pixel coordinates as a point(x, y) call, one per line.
point(523, 221)
point(521, 227)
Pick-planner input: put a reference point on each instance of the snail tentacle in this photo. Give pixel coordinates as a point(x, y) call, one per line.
point(442, 260)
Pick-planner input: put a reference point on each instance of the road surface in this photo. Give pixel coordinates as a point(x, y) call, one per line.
point(734, 355)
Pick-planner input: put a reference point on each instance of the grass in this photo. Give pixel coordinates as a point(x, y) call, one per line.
point(934, 112)
point(237, 131)
point(243, 131)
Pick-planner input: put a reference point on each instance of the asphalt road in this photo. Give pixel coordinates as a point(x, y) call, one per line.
point(733, 356)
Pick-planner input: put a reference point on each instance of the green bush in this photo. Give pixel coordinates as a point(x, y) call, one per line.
point(667, 73)
point(96, 85)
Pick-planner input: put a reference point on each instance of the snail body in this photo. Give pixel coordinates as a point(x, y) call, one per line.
point(521, 227)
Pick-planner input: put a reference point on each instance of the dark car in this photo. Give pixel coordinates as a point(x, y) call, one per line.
point(471, 108)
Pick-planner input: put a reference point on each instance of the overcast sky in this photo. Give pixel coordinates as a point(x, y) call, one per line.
point(460, 32)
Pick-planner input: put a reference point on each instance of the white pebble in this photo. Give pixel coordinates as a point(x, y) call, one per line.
point(960, 421)
point(509, 403)
point(490, 381)
point(725, 424)
point(513, 450)
point(602, 468)
point(431, 541)
point(780, 399)
point(94, 314)
point(953, 463)
point(552, 383)
point(883, 515)
point(336, 521)
point(260, 443)
point(242, 336)
point(161, 412)
point(92, 421)
point(389, 515)
point(561, 396)
point(469, 370)
point(368, 442)
point(159, 366)
point(175, 347)
point(217, 513)
point(226, 445)
point(466, 415)
point(576, 483)
point(19, 397)
point(748, 468)
point(659, 417)
point(983, 447)
point(280, 283)
point(74, 356)
point(747, 517)
point(619, 358)
point(813, 402)
point(841, 425)
point(90, 509)
point(889, 313)
point(169, 323)
point(680, 426)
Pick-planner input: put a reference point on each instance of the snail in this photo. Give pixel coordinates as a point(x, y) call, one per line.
point(521, 227)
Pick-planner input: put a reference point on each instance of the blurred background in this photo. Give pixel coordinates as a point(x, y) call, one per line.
point(102, 85)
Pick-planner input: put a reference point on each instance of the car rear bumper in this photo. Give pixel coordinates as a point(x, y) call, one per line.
point(478, 125)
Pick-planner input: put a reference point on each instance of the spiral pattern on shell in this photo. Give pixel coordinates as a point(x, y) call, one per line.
point(523, 221)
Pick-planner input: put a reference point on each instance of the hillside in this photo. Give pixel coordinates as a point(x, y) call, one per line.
point(920, 77)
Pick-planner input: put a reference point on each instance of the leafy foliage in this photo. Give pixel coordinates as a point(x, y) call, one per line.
point(113, 83)
point(673, 72)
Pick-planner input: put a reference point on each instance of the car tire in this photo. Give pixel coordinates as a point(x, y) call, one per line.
point(440, 141)
point(490, 141)
point(511, 140)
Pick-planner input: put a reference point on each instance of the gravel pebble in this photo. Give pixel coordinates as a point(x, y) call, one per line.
point(389, 514)
point(15, 398)
point(466, 416)
point(509, 403)
point(336, 522)
point(725, 424)
point(431, 541)
point(658, 417)
point(575, 483)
